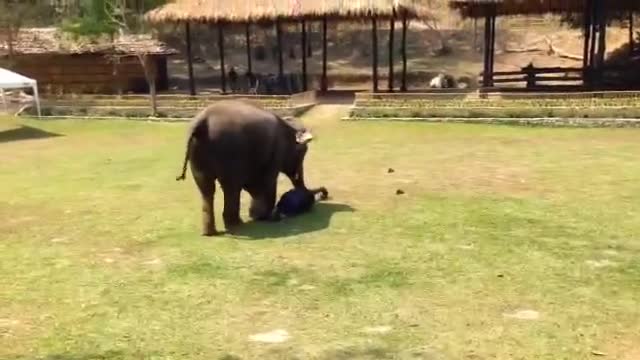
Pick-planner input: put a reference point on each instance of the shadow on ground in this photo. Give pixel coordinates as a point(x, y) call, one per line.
point(109, 355)
point(25, 133)
point(318, 219)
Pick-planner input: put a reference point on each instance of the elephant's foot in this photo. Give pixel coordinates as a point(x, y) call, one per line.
point(232, 224)
point(209, 229)
point(210, 233)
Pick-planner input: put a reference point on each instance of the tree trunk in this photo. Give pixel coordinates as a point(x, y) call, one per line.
point(154, 97)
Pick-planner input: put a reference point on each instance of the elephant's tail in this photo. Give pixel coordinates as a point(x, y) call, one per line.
point(186, 159)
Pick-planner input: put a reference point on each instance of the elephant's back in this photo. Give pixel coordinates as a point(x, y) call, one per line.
point(239, 133)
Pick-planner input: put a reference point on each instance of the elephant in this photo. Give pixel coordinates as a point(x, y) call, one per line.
point(244, 147)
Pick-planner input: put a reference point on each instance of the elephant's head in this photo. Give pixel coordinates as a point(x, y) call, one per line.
point(294, 158)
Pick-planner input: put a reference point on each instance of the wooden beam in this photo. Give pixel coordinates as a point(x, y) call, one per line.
point(247, 34)
point(192, 82)
point(403, 87)
point(223, 74)
point(324, 84)
point(303, 50)
point(279, 44)
point(392, 29)
point(374, 52)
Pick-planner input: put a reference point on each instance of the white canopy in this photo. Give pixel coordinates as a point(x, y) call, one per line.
point(12, 80)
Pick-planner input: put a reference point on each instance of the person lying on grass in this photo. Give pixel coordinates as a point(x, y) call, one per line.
point(298, 201)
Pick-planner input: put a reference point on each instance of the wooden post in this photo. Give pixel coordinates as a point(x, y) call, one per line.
point(192, 83)
point(223, 75)
point(280, 59)
point(303, 50)
point(487, 51)
point(374, 52)
point(631, 39)
point(602, 35)
point(247, 34)
point(586, 34)
point(594, 32)
point(493, 49)
point(403, 87)
point(392, 29)
point(324, 83)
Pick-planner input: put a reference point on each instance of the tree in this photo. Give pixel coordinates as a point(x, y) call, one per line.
point(117, 18)
point(15, 14)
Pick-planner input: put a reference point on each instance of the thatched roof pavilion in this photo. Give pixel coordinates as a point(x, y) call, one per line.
point(223, 13)
point(482, 8)
point(595, 19)
point(214, 11)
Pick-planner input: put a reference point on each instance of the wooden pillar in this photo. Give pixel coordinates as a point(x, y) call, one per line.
point(223, 74)
point(602, 34)
point(247, 34)
point(492, 62)
point(374, 52)
point(392, 29)
point(303, 50)
point(403, 87)
point(487, 50)
point(324, 83)
point(279, 44)
point(631, 39)
point(594, 32)
point(192, 83)
point(586, 34)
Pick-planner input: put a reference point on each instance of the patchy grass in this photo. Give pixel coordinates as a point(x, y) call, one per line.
point(101, 259)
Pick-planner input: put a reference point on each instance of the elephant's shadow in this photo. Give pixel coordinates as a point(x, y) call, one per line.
point(317, 219)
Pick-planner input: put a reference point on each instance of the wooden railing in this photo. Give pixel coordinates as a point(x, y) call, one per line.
point(533, 77)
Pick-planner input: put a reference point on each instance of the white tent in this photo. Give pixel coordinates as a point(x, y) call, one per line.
point(11, 80)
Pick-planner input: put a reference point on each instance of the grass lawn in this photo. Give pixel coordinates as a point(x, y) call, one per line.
point(509, 243)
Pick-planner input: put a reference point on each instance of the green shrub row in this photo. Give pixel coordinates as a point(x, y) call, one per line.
point(500, 103)
point(511, 112)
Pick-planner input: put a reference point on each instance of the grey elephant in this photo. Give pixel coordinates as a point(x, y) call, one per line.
point(244, 147)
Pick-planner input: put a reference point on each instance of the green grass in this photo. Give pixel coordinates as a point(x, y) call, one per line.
point(100, 256)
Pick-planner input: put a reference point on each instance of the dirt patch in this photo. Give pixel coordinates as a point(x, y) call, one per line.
point(523, 315)
point(271, 337)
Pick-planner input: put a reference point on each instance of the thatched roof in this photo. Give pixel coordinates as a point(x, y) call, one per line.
point(481, 8)
point(240, 11)
point(51, 41)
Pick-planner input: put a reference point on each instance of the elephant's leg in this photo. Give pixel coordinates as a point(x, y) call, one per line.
point(270, 197)
point(207, 186)
point(231, 213)
point(263, 198)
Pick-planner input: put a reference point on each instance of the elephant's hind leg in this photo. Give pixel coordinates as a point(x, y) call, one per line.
point(207, 186)
point(231, 212)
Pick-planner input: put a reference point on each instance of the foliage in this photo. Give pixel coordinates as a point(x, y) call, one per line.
point(97, 17)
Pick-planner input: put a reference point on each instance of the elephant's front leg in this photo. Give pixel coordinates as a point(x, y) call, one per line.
point(263, 200)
